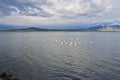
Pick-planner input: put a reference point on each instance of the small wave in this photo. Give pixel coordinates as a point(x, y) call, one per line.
point(66, 77)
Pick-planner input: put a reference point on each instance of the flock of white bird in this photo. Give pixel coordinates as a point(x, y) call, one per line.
point(69, 42)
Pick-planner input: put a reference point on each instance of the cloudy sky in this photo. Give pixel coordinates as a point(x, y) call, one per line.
point(55, 13)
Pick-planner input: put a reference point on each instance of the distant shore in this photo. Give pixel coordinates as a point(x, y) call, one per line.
point(55, 31)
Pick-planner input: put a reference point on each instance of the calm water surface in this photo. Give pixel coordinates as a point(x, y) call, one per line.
point(61, 55)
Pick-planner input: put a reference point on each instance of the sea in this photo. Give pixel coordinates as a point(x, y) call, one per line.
point(55, 55)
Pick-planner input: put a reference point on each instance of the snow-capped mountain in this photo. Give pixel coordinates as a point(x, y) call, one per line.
point(105, 27)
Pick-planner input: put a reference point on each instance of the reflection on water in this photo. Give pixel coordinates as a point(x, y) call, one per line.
point(61, 55)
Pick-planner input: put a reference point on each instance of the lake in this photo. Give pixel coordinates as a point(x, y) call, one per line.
point(61, 55)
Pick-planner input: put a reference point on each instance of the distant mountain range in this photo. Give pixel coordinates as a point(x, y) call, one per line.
point(32, 28)
point(104, 28)
point(92, 28)
point(98, 27)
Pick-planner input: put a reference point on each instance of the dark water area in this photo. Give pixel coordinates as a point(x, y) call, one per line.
point(61, 55)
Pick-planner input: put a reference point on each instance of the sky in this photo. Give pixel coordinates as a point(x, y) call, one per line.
point(58, 13)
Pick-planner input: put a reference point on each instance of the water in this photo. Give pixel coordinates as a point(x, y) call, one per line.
point(61, 55)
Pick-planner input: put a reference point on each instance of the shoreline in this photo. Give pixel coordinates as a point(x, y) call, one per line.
point(53, 31)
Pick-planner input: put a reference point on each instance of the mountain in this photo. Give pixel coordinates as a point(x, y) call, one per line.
point(93, 28)
point(33, 28)
point(104, 27)
point(10, 27)
point(96, 27)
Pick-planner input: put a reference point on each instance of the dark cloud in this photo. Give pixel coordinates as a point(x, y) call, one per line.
point(27, 8)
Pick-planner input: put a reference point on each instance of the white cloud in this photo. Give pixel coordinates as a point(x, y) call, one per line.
point(76, 7)
point(32, 21)
point(15, 12)
point(28, 1)
point(60, 12)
